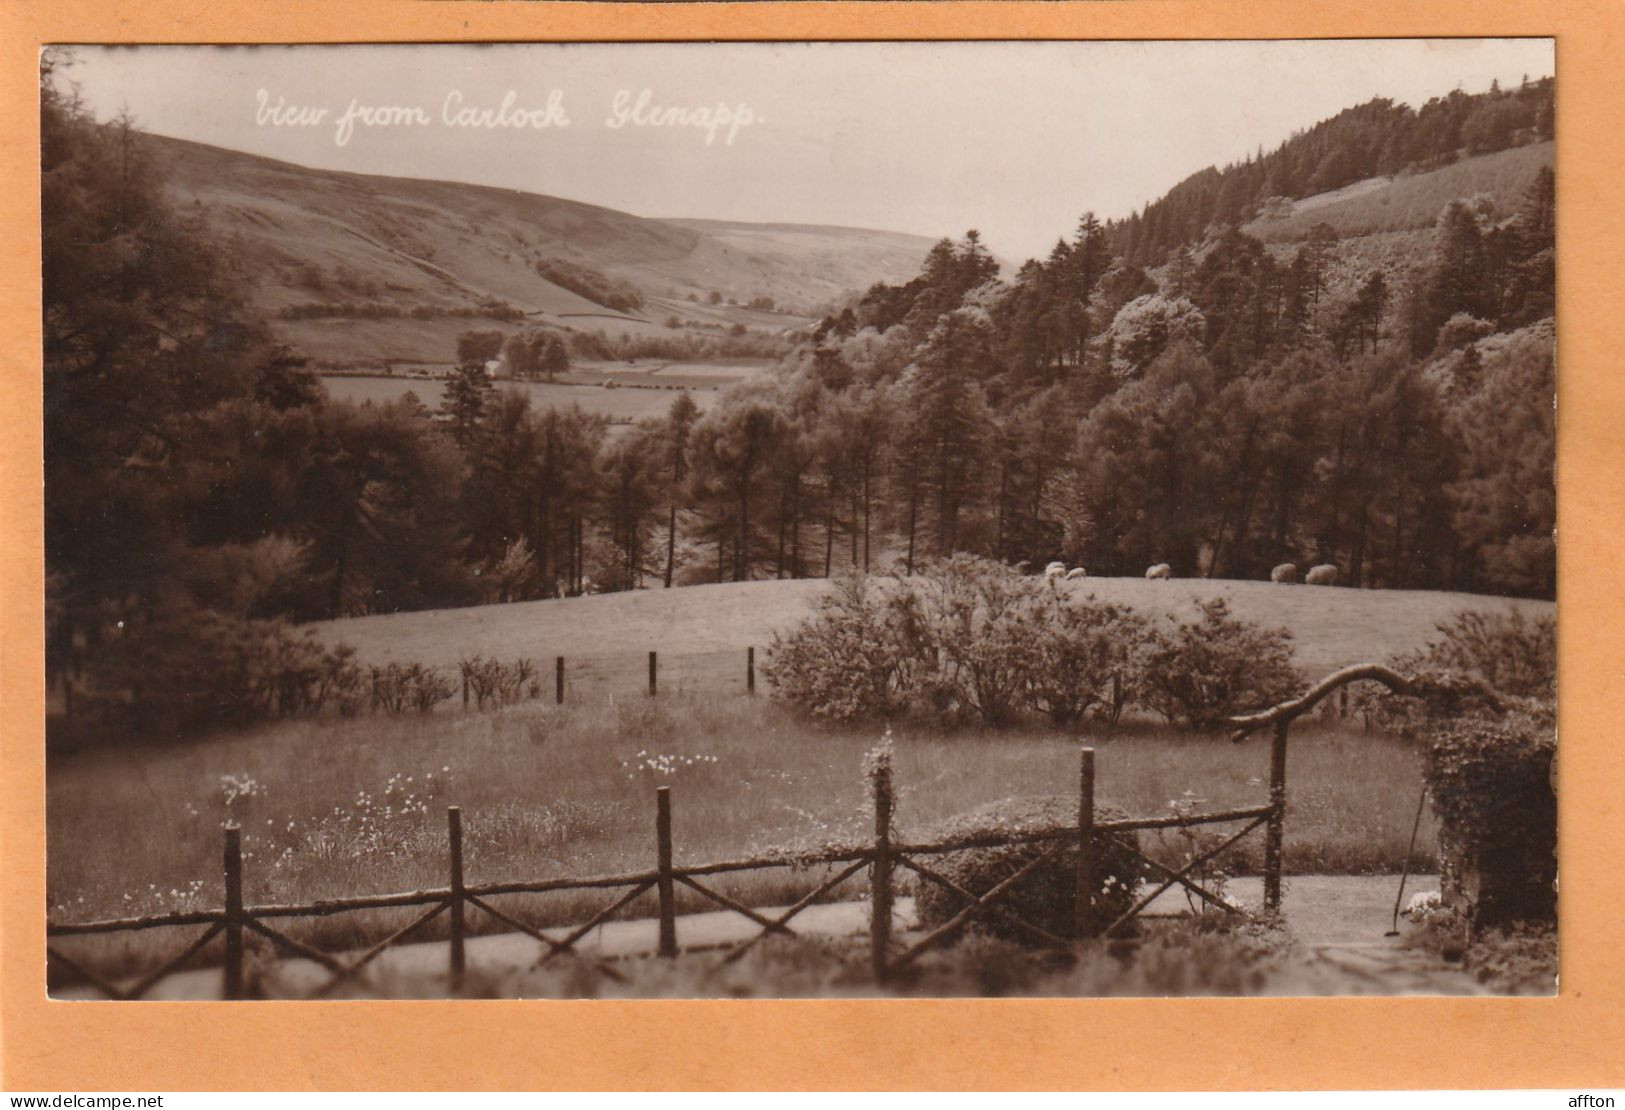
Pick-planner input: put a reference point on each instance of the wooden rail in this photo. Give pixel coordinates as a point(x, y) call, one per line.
point(880, 857)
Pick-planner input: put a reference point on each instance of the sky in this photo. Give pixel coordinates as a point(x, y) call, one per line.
point(1016, 139)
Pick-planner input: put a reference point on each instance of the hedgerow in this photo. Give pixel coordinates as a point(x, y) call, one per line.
point(971, 638)
point(201, 669)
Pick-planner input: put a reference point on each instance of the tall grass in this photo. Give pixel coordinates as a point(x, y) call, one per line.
point(335, 808)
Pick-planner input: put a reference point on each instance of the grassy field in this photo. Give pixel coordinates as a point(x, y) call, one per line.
point(331, 808)
point(625, 404)
point(709, 627)
point(336, 807)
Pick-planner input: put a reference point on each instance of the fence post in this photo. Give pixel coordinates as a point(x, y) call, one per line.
point(1085, 907)
point(750, 670)
point(233, 970)
point(880, 891)
point(668, 903)
point(1277, 821)
point(558, 681)
point(454, 834)
point(652, 665)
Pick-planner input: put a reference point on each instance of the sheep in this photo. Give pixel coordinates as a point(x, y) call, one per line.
point(1323, 575)
point(1286, 572)
point(1160, 570)
point(1076, 572)
point(1054, 571)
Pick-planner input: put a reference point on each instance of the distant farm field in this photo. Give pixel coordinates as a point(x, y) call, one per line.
point(621, 404)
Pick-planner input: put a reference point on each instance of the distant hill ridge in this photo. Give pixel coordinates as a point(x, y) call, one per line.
point(320, 246)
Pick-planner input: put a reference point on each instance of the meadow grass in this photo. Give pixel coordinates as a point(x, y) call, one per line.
point(331, 808)
point(702, 631)
point(624, 404)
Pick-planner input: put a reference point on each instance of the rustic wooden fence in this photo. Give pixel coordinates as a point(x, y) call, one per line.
point(561, 683)
point(881, 858)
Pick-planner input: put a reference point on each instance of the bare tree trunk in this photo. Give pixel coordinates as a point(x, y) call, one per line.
point(1004, 507)
point(671, 543)
point(795, 527)
point(913, 521)
point(829, 529)
point(742, 547)
point(868, 502)
point(778, 570)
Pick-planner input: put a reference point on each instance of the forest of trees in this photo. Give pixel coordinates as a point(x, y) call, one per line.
point(1234, 412)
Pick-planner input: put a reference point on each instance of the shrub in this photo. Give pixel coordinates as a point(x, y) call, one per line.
point(496, 683)
point(982, 622)
point(1214, 667)
point(857, 656)
point(1476, 654)
point(1088, 660)
point(398, 687)
point(1511, 653)
point(1047, 896)
point(595, 286)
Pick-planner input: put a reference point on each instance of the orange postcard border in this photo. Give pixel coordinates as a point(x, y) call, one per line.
point(1574, 1040)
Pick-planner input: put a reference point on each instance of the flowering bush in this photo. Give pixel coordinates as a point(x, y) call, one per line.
point(1087, 659)
point(1476, 658)
point(968, 637)
point(971, 637)
point(861, 654)
point(982, 622)
point(1205, 670)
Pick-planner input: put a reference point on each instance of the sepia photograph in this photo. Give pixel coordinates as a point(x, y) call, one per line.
point(776, 520)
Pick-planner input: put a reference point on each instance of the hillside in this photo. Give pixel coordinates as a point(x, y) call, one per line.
point(1340, 156)
point(701, 632)
point(1408, 202)
point(384, 268)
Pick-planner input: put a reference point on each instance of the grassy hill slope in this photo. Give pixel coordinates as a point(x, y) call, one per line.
point(701, 632)
point(317, 237)
point(1412, 201)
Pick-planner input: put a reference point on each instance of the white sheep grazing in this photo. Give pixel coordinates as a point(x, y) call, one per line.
point(1323, 575)
point(1161, 570)
point(1076, 572)
point(1286, 572)
point(1055, 570)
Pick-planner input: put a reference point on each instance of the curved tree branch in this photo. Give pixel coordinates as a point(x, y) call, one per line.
point(1296, 707)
